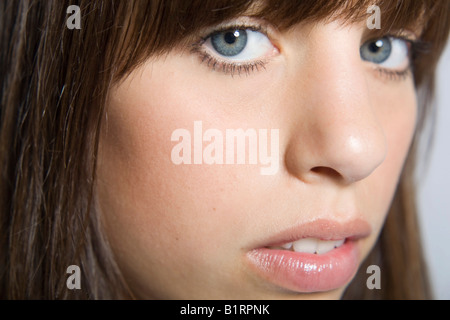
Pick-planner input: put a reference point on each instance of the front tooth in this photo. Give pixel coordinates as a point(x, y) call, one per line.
point(307, 245)
point(310, 245)
point(287, 246)
point(339, 243)
point(325, 246)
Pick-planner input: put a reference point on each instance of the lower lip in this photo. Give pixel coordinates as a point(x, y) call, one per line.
point(306, 272)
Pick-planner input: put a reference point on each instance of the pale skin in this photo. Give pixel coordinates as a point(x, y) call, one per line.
point(183, 231)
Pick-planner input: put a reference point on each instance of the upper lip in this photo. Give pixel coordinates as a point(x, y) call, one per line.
point(322, 229)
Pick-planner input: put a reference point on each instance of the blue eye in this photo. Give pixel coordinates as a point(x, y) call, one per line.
point(376, 51)
point(239, 45)
point(388, 52)
point(229, 43)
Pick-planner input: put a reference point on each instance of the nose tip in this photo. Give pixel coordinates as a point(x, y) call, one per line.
point(356, 157)
point(348, 150)
point(368, 153)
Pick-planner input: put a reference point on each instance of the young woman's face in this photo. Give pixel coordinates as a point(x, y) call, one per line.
point(329, 118)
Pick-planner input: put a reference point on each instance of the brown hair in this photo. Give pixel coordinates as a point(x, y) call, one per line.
point(54, 82)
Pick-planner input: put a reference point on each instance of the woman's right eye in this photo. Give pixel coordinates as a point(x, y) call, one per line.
point(239, 45)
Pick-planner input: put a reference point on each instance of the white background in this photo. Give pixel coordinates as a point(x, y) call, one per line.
point(434, 190)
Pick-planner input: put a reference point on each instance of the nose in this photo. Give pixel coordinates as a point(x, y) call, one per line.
point(336, 132)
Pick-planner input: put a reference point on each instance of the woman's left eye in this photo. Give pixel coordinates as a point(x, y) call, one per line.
point(387, 52)
point(239, 45)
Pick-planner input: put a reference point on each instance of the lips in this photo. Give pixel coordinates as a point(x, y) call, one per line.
point(319, 256)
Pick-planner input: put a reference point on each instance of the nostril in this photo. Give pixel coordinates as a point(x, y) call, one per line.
point(327, 171)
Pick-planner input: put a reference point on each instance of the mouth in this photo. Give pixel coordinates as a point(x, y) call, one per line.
point(319, 256)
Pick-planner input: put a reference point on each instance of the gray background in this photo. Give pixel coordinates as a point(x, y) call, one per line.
point(434, 190)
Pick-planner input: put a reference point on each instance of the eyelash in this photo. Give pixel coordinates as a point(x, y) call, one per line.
point(417, 47)
point(394, 75)
point(231, 68)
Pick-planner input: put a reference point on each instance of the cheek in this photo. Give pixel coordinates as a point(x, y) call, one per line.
point(399, 115)
point(159, 215)
point(397, 112)
point(136, 141)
